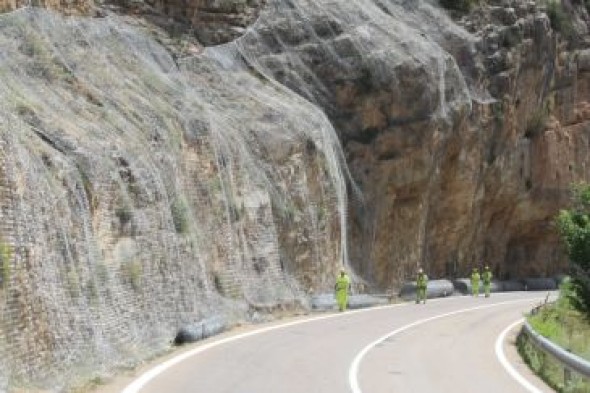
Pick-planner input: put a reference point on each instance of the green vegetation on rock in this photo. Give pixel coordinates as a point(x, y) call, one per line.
point(179, 211)
point(133, 273)
point(574, 230)
point(5, 267)
point(124, 214)
point(560, 20)
point(458, 5)
point(536, 123)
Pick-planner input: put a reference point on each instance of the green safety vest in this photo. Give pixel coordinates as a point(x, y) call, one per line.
point(422, 280)
point(487, 277)
point(342, 283)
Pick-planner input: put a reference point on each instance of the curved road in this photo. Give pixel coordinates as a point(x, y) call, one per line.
point(446, 345)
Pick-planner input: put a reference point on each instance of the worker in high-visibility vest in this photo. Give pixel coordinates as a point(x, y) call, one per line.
point(421, 285)
point(475, 282)
point(486, 277)
point(342, 287)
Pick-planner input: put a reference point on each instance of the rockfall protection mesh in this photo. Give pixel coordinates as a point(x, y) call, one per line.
point(139, 194)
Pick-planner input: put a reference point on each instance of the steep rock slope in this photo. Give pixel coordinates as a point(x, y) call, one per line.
point(140, 193)
point(463, 140)
point(147, 182)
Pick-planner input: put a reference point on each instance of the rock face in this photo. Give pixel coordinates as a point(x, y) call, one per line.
point(148, 184)
point(139, 195)
point(463, 142)
point(75, 7)
point(212, 22)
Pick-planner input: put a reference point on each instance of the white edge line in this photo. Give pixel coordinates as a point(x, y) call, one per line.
point(506, 364)
point(354, 367)
point(136, 385)
point(145, 378)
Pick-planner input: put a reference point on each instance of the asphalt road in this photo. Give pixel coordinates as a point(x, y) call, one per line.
point(447, 345)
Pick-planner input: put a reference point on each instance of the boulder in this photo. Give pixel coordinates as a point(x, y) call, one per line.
point(200, 330)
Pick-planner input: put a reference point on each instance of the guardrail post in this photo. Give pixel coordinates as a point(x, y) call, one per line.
point(567, 377)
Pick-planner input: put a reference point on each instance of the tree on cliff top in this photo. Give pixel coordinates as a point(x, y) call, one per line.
point(574, 229)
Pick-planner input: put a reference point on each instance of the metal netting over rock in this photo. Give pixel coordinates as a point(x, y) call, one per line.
point(142, 192)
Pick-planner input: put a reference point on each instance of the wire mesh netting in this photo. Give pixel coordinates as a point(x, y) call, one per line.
point(142, 189)
point(140, 193)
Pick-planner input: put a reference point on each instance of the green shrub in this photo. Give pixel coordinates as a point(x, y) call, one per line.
point(179, 211)
point(73, 283)
point(458, 5)
point(560, 20)
point(537, 123)
point(133, 272)
point(574, 230)
point(124, 213)
point(226, 286)
point(5, 266)
point(498, 112)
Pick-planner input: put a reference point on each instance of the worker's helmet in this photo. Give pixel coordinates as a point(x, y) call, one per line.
point(419, 270)
point(487, 267)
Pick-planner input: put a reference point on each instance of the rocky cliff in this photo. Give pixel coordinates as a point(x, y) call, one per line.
point(462, 135)
point(142, 192)
point(148, 181)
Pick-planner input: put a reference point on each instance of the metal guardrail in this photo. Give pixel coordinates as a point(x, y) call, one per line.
point(567, 359)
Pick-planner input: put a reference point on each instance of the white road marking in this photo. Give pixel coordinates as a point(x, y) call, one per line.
point(354, 367)
point(136, 385)
point(506, 364)
point(144, 379)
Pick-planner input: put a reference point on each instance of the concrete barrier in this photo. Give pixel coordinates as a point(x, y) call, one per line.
point(540, 284)
point(512, 285)
point(327, 301)
point(434, 289)
point(463, 286)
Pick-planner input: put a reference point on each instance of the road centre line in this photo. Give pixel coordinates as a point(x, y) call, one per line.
point(354, 367)
point(136, 385)
point(506, 364)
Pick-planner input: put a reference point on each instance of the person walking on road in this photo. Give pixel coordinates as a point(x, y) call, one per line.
point(475, 282)
point(342, 287)
point(487, 280)
point(421, 285)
